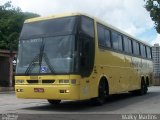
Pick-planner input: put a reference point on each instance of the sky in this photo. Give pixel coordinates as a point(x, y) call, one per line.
point(128, 15)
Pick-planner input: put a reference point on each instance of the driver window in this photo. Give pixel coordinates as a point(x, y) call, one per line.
point(85, 53)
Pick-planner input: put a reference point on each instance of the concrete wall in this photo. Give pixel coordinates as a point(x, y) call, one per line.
point(157, 81)
point(6, 68)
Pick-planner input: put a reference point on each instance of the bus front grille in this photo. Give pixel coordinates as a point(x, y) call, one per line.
point(48, 81)
point(32, 81)
point(41, 81)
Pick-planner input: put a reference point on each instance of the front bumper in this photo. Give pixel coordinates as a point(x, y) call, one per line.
point(50, 92)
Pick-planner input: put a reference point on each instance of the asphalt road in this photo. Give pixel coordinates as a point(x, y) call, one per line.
point(115, 108)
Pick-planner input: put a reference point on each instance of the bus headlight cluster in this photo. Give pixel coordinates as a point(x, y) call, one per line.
point(64, 91)
point(19, 90)
point(67, 81)
point(19, 81)
point(63, 81)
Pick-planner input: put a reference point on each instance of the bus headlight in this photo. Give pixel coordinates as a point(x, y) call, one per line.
point(19, 90)
point(64, 91)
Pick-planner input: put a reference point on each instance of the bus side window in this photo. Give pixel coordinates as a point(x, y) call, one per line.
point(148, 52)
point(120, 43)
point(130, 46)
point(126, 49)
point(134, 47)
point(104, 39)
point(138, 48)
point(101, 35)
point(87, 26)
point(143, 51)
point(107, 38)
point(127, 45)
point(114, 40)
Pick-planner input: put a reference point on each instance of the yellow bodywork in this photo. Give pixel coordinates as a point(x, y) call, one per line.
point(123, 73)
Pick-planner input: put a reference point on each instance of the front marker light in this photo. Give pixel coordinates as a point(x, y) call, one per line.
point(19, 90)
point(67, 91)
point(64, 91)
point(73, 82)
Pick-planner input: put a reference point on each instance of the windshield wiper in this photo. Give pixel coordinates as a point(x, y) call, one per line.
point(39, 58)
point(41, 55)
point(48, 63)
point(32, 64)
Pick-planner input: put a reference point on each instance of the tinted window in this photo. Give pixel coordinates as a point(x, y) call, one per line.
point(116, 41)
point(135, 48)
point(87, 26)
point(138, 48)
point(58, 26)
point(120, 42)
point(127, 44)
point(148, 52)
point(125, 40)
point(143, 50)
point(107, 38)
point(101, 39)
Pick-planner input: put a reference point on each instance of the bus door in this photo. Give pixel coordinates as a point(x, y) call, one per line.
point(85, 56)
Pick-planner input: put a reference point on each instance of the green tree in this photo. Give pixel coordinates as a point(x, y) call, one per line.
point(11, 22)
point(153, 6)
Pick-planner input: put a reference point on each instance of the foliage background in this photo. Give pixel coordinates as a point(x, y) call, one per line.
point(11, 22)
point(153, 7)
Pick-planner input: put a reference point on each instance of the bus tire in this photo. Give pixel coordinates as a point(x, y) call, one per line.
point(143, 90)
point(102, 93)
point(147, 82)
point(54, 102)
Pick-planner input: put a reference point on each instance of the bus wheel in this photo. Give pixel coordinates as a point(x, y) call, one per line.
point(143, 90)
point(102, 94)
point(54, 102)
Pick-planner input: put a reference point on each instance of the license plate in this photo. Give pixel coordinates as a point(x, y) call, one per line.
point(39, 90)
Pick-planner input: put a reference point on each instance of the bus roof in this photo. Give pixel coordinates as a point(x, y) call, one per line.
point(51, 17)
point(96, 19)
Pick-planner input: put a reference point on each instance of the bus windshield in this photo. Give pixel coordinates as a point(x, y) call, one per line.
point(51, 27)
point(46, 55)
point(47, 47)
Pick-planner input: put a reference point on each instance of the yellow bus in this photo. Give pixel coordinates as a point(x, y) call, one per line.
point(78, 57)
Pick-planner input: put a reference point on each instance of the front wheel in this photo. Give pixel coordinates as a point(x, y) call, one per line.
point(102, 94)
point(54, 102)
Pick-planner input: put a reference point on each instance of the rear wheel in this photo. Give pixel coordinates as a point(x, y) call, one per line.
point(102, 94)
point(143, 90)
point(54, 102)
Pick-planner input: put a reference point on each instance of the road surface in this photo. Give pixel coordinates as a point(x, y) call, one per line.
point(115, 107)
